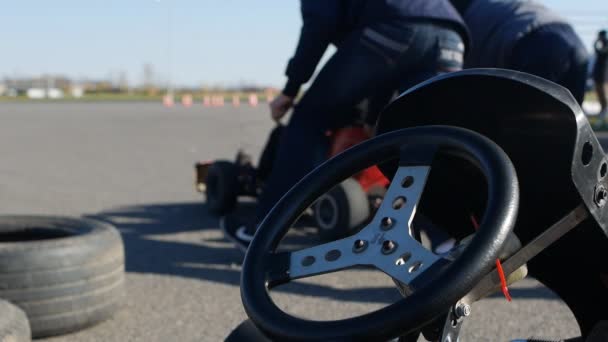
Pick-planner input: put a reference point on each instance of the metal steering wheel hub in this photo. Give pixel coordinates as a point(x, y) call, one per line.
point(386, 243)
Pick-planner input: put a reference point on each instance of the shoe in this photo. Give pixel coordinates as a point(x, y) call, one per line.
point(240, 234)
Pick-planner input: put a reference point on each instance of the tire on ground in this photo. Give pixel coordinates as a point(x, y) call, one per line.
point(222, 187)
point(341, 210)
point(14, 326)
point(65, 274)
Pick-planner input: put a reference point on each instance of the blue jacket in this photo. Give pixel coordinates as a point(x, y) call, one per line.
point(329, 21)
point(497, 25)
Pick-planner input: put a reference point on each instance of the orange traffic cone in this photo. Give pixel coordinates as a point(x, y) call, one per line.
point(253, 100)
point(168, 101)
point(187, 100)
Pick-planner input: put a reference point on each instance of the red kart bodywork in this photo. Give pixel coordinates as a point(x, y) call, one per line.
point(347, 137)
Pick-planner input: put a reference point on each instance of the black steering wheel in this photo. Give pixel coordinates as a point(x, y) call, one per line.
point(386, 242)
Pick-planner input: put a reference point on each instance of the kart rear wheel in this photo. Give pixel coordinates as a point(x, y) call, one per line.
point(222, 187)
point(341, 210)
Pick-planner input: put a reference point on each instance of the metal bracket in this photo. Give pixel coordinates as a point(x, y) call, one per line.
point(490, 282)
point(452, 325)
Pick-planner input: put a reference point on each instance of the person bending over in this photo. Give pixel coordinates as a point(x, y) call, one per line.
point(525, 36)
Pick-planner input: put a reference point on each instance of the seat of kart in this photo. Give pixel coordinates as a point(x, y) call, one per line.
point(538, 123)
point(558, 159)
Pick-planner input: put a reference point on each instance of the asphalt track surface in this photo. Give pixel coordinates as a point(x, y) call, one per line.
point(131, 164)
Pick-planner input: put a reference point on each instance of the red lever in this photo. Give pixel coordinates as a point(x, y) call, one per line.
point(501, 272)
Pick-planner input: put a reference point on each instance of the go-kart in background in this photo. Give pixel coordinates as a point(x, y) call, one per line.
point(131, 164)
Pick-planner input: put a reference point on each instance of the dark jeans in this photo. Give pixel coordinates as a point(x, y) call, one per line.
point(600, 89)
point(556, 53)
point(370, 61)
point(599, 79)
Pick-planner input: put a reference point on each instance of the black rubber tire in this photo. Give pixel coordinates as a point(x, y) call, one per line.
point(14, 326)
point(222, 187)
point(341, 210)
point(66, 274)
point(247, 332)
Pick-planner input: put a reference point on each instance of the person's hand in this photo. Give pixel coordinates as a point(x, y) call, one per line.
point(279, 106)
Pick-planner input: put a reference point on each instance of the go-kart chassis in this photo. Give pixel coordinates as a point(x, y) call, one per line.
point(559, 162)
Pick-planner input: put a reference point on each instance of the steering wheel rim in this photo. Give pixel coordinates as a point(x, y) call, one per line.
point(263, 268)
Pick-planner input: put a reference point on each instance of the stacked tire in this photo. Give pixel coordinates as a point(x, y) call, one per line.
point(14, 326)
point(66, 274)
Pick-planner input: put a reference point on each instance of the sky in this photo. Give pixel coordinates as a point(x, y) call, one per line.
point(187, 42)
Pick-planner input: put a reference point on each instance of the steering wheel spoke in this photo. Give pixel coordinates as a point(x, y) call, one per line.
point(398, 207)
point(397, 252)
point(386, 243)
point(328, 257)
